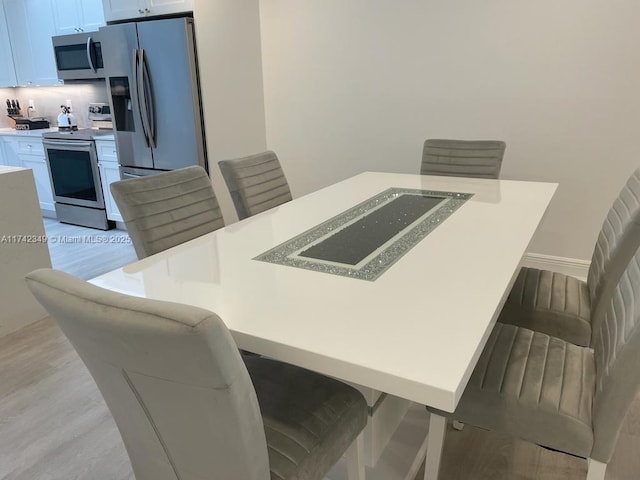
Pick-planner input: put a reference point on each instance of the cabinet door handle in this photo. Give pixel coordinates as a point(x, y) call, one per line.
point(140, 11)
point(147, 10)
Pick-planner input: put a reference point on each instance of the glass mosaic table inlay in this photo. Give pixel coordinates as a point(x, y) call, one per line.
point(364, 241)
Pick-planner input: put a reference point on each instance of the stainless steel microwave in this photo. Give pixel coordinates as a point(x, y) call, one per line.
point(78, 56)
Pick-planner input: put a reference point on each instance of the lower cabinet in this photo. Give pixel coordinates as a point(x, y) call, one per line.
point(41, 175)
point(3, 157)
point(109, 173)
point(28, 152)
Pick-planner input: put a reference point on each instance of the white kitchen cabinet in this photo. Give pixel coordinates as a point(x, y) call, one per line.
point(7, 69)
point(123, 9)
point(31, 26)
point(28, 152)
point(11, 150)
point(109, 173)
point(74, 16)
point(163, 7)
point(41, 175)
point(128, 9)
point(3, 157)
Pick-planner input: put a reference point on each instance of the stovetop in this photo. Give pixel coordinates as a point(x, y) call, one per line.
point(80, 134)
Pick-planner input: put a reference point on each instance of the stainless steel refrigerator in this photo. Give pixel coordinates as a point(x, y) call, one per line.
point(152, 78)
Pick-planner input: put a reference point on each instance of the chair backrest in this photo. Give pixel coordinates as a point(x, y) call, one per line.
point(617, 242)
point(616, 345)
point(463, 158)
point(170, 374)
point(256, 183)
point(165, 210)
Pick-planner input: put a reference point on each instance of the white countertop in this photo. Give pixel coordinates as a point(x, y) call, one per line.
point(27, 133)
point(42, 131)
point(103, 138)
point(416, 332)
point(6, 169)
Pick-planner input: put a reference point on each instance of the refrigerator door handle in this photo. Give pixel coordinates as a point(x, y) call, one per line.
point(89, 56)
point(147, 100)
point(136, 81)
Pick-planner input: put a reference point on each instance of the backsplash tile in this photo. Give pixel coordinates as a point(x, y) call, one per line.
point(48, 100)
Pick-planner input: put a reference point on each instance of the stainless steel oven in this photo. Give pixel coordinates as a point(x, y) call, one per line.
point(75, 179)
point(78, 56)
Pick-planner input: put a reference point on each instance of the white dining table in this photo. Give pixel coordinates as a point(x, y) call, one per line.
point(415, 331)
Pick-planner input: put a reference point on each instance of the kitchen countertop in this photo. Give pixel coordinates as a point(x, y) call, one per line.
point(42, 131)
point(27, 133)
point(109, 137)
point(7, 169)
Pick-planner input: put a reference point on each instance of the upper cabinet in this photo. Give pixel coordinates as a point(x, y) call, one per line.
point(7, 70)
point(135, 9)
point(30, 25)
point(74, 16)
point(123, 9)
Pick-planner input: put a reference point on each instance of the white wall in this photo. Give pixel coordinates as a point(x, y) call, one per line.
point(228, 41)
point(356, 85)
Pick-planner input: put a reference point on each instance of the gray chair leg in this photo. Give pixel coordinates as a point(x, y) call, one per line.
point(435, 442)
point(596, 470)
point(355, 459)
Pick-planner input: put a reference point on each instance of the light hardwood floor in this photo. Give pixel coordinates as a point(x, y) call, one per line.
point(476, 454)
point(54, 424)
point(87, 252)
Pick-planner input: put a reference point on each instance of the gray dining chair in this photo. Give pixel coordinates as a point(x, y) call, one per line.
point(563, 306)
point(256, 183)
point(165, 210)
point(188, 405)
point(462, 158)
point(551, 392)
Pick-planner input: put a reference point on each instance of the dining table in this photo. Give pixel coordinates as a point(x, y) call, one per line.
point(390, 281)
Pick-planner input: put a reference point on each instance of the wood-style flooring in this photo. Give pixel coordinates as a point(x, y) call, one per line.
point(85, 252)
point(54, 424)
point(476, 454)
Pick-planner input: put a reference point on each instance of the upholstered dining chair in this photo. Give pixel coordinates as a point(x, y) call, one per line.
point(563, 306)
point(187, 405)
point(462, 158)
point(256, 183)
point(551, 392)
point(167, 209)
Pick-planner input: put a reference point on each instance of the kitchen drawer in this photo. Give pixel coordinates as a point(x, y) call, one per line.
point(29, 146)
point(106, 150)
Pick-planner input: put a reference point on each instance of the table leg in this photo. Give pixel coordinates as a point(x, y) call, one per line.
point(437, 428)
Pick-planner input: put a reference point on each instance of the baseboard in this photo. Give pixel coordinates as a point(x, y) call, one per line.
point(569, 266)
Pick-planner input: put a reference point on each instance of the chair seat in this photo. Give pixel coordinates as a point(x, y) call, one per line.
point(309, 419)
point(534, 387)
point(552, 303)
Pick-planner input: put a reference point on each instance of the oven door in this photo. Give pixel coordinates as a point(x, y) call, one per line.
point(78, 56)
point(73, 169)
